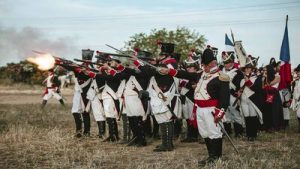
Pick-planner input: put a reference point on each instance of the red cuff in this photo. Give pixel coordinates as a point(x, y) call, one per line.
point(248, 83)
point(112, 72)
point(121, 68)
point(92, 74)
point(172, 72)
point(137, 63)
point(78, 70)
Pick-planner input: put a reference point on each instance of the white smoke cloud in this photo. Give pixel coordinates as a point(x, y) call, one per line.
point(16, 45)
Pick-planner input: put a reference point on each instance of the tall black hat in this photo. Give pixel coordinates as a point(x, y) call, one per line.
point(166, 48)
point(87, 54)
point(207, 56)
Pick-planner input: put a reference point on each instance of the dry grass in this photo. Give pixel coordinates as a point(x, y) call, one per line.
point(31, 138)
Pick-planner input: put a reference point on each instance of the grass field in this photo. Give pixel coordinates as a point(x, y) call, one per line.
point(32, 138)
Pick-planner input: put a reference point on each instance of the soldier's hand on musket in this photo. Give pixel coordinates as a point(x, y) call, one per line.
point(163, 70)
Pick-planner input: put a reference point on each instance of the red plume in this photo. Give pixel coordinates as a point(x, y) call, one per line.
point(193, 50)
point(136, 49)
point(98, 51)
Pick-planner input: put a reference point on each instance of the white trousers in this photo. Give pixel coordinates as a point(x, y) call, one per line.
point(163, 117)
point(286, 111)
point(133, 106)
point(77, 105)
point(97, 110)
point(52, 93)
point(187, 109)
point(109, 107)
point(206, 125)
point(232, 114)
point(247, 108)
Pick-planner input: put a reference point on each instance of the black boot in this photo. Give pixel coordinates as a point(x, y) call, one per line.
point(170, 132)
point(164, 138)
point(141, 141)
point(218, 147)
point(148, 127)
point(238, 129)
point(227, 127)
point(61, 101)
point(177, 128)
point(86, 123)
point(133, 122)
point(44, 103)
point(210, 150)
point(110, 132)
point(126, 129)
point(115, 131)
point(286, 124)
point(155, 129)
point(78, 124)
point(192, 134)
point(101, 128)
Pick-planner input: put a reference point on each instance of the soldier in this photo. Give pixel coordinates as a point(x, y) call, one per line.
point(187, 89)
point(295, 105)
point(136, 100)
point(52, 88)
point(111, 95)
point(95, 99)
point(82, 85)
point(232, 114)
point(163, 90)
point(251, 98)
point(211, 99)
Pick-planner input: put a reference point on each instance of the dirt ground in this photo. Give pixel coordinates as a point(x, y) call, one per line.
point(35, 138)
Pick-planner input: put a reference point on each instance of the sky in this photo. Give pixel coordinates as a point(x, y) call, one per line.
point(64, 27)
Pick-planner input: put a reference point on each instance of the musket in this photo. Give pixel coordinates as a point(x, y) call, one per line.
point(123, 55)
point(89, 62)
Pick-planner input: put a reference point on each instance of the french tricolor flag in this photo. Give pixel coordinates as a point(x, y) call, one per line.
point(285, 66)
point(228, 44)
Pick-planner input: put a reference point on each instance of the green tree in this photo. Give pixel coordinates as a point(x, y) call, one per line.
point(182, 37)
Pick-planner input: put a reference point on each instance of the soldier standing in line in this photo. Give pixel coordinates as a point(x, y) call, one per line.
point(211, 100)
point(232, 114)
point(163, 90)
point(82, 85)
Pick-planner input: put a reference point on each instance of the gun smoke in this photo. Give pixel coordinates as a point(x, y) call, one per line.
point(16, 45)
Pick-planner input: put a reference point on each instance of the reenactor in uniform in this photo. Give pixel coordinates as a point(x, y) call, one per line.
point(136, 100)
point(211, 99)
point(52, 88)
point(95, 99)
point(251, 98)
point(111, 95)
point(80, 101)
point(187, 89)
point(163, 92)
point(232, 115)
